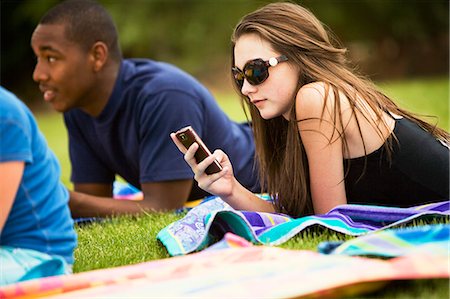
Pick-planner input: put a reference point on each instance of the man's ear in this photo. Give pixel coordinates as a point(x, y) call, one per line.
point(99, 55)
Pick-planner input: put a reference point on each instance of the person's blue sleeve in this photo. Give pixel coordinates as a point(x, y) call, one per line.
point(15, 139)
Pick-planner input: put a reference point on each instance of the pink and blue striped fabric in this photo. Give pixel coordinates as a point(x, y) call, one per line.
point(394, 242)
point(208, 222)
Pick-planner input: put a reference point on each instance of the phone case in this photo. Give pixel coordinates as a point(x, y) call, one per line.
point(187, 136)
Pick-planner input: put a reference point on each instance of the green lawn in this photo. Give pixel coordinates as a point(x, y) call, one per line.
point(130, 240)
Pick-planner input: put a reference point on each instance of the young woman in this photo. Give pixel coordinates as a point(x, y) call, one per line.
point(324, 135)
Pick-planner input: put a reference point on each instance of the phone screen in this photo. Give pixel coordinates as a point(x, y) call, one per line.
point(187, 136)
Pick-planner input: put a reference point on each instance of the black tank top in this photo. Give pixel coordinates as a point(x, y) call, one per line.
point(417, 174)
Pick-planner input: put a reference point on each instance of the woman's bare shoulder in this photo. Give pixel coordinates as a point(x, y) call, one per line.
point(311, 99)
point(314, 89)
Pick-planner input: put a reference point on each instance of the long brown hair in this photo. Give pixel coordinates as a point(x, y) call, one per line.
point(295, 32)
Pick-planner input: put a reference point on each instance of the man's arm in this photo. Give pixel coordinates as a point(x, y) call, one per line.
point(94, 200)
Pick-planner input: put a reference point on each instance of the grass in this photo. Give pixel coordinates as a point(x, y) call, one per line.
point(424, 97)
point(129, 240)
point(121, 241)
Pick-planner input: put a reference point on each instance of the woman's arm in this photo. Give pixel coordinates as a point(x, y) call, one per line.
point(10, 176)
point(321, 132)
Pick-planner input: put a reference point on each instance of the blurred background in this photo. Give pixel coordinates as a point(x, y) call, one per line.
point(403, 45)
point(387, 39)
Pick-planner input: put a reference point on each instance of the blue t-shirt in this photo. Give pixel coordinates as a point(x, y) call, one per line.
point(131, 135)
point(39, 218)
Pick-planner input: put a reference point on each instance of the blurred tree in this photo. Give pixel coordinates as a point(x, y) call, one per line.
point(192, 34)
point(387, 38)
point(18, 19)
point(394, 38)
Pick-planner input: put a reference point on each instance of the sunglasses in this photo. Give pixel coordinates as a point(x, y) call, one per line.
point(256, 71)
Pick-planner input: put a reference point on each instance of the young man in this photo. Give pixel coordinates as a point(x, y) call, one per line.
point(119, 114)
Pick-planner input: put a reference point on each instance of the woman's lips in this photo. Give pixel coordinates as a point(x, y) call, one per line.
point(258, 102)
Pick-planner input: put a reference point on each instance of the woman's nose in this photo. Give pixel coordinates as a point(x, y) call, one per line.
point(247, 88)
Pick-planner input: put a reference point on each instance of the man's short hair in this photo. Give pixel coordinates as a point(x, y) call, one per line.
point(87, 22)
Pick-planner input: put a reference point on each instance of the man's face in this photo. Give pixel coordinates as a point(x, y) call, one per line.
point(63, 69)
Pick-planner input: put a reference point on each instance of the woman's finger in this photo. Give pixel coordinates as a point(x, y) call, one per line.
point(219, 154)
point(189, 156)
point(205, 163)
point(206, 180)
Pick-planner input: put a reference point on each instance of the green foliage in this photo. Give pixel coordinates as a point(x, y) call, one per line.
point(370, 20)
point(402, 38)
point(426, 97)
point(194, 35)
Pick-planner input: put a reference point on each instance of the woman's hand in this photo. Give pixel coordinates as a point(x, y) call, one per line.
point(220, 183)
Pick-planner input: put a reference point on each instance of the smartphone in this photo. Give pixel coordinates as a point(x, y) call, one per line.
point(187, 137)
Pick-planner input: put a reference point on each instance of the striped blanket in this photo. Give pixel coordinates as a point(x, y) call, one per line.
point(239, 269)
point(234, 267)
point(208, 222)
point(394, 242)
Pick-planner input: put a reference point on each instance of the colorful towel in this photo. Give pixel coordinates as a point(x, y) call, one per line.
point(244, 272)
point(208, 222)
point(125, 191)
point(394, 242)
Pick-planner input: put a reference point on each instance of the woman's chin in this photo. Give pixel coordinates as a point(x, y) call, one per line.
point(267, 115)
